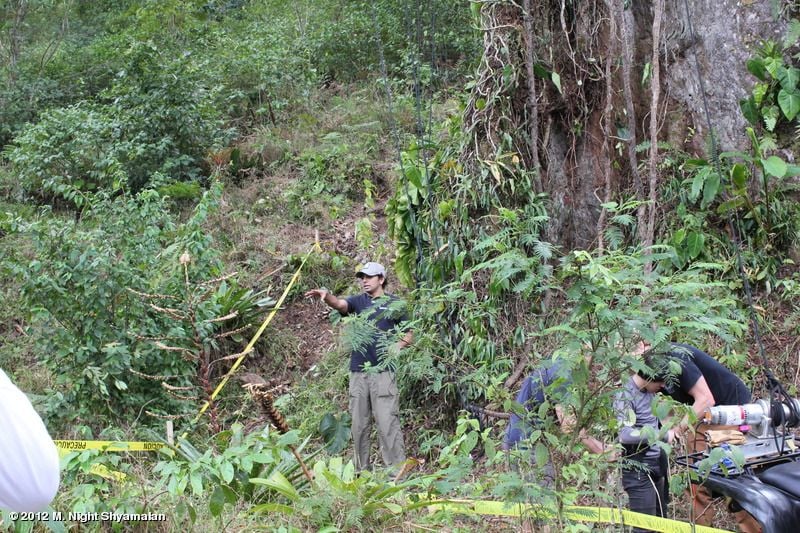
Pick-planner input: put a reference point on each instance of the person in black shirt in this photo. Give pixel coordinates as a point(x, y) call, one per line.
point(373, 389)
point(702, 382)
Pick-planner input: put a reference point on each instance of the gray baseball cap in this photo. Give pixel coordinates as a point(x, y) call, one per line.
point(371, 269)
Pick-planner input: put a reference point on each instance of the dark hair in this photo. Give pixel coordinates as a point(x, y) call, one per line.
point(658, 368)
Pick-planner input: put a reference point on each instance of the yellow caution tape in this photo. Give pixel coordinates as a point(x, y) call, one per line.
point(108, 445)
point(576, 513)
point(255, 338)
point(103, 471)
point(98, 470)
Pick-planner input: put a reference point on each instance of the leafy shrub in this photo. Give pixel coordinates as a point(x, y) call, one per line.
point(775, 95)
point(164, 114)
point(196, 484)
point(69, 154)
point(227, 469)
point(76, 288)
point(340, 498)
point(156, 118)
point(342, 35)
point(181, 191)
point(335, 172)
point(262, 62)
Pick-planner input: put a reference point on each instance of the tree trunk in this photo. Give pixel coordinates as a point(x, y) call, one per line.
point(598, 50)
point(15, 13)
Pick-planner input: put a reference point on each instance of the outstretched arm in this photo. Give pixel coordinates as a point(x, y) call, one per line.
point(594, 445)
point(330, 300)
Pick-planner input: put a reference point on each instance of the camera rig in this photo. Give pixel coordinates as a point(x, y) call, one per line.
point(767, 484)
point(768, 430)
point(767, 426)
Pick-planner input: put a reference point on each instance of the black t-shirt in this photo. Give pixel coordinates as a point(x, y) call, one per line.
point(384, 313)
point(726, 386)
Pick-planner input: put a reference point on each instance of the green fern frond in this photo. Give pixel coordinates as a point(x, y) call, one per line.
point(358, 332)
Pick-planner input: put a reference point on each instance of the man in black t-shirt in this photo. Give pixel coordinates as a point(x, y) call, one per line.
point(702, 382)
point(373, 389)
point(702, 375)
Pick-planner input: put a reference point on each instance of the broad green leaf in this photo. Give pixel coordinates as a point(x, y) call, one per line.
point(739, 175)
point(775, 166)
point(226, 470)
point(490, 449)
point(557, 81)
point(54, 526)
point(393, 507)
point(217, 501)
point(277, 482)
point(756, 67)
point(734, 203)
point(697, 184)
point(749, 110)
point(413, 175)
point(230, 494)
point(335, 431)
point(335, 465)
point(678, 237)
point(262, 458)
point(480, 103)
point(540, 71)
point(792, 33)
point(772, 64)
point(272, 508)
point(792, 170)
point(469, 443)
point(696, 163)
point(541, 454)
point(661, 409)
point(710, 189)
point(759, 92)
point(789, 102)
point(445, 208)
point(348, 472)
point(289, 439)
point(197, 483)
point(694, 244)
point(788, 78)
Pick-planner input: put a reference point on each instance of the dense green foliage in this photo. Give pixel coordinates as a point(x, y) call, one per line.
point(164, 167)
point(76, 287)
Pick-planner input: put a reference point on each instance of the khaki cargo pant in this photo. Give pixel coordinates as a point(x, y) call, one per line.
point(375, 394)
point(701, 496)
